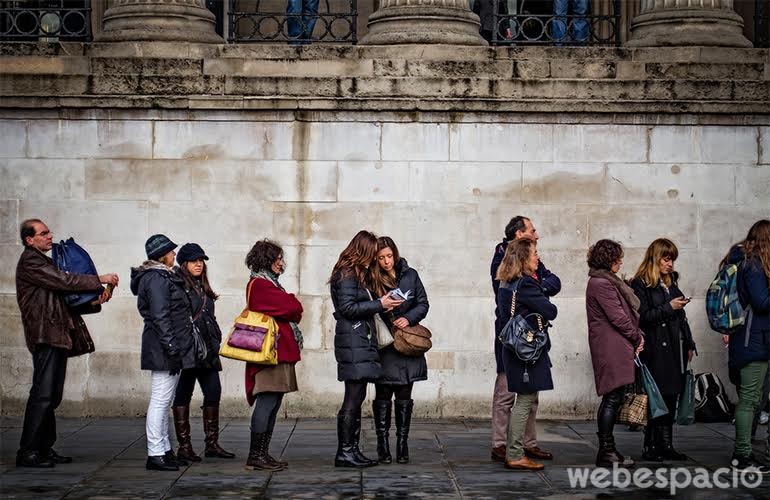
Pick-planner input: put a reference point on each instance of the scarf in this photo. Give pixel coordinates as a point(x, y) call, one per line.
point(625, 291)
point(273, 278)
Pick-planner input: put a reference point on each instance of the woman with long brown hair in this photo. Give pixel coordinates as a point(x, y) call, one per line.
point(355, 340)
point(668, 343)
point(399, 372)
point(749, 347)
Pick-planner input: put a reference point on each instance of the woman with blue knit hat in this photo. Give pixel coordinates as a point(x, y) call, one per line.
point(192, 269)
point(167, 342)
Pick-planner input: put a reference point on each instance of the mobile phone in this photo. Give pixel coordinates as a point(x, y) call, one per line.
point(688, 299)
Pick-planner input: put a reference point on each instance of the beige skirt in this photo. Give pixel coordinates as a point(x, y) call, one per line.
point(277, 378)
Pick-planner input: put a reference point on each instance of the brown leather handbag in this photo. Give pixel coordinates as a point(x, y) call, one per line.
point(412, 340)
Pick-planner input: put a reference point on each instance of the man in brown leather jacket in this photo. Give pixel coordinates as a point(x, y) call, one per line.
point(53, 333)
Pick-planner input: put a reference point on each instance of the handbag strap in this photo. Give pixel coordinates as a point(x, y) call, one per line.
point(513, 299)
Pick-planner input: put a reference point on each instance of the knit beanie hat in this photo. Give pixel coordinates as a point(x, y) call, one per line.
point(158, 245)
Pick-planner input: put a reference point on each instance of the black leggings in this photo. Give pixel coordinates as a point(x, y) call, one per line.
point(265, 412)
point(608, 410)
point(355, 393)
point(386, 392)
point(208, 378)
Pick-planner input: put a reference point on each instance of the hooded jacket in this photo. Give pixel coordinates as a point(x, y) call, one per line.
point(167, 313)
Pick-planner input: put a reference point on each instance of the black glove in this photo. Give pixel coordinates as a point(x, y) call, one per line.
point(174, 365)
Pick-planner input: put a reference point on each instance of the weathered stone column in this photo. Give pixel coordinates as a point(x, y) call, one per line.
point(449, 22)
point(159, 20)
point(687, 22)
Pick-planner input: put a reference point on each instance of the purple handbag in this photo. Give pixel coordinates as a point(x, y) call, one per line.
point(247, 337)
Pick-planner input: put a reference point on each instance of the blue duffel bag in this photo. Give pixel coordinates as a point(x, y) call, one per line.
point(70, 257)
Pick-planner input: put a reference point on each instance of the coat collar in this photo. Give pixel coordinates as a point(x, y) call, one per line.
point(625, 291)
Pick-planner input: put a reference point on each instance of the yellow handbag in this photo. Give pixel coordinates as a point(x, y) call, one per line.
point(253, 338)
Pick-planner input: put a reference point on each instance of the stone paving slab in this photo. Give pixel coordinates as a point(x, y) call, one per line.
point(449, 460)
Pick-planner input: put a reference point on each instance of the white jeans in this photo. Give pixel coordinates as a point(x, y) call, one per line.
point(161, 395)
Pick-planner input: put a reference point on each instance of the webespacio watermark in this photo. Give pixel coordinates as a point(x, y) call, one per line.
point(673, 479)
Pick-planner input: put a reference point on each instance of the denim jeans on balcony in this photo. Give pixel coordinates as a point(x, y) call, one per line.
point(560, 27)
point(302, 22)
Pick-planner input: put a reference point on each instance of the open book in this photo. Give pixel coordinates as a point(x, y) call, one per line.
point(401, 295)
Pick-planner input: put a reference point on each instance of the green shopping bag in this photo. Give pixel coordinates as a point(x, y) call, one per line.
point(685, 409)
point(656, 403)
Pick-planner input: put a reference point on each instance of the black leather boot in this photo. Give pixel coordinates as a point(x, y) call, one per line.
point(381, 410)
point(211, 429)
point(348, 435)
point(34, 460)
point(257, 460)
point(667, 450)
point(403, 420)
point(609, 455)
point(182, 428)
point(651, 451)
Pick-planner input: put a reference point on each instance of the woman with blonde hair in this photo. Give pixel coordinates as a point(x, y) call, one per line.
point(355, 340)
point(517, 274)
point(668, 345)
point(749, 347)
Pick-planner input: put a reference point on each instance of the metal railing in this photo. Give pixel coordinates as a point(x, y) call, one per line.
point(538, 28)
point(46, 20)
point(260, 25)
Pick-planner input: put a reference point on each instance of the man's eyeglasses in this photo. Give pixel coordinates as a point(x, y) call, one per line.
point(43, 233)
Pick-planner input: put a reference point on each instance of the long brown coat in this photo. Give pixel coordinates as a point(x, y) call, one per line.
point(613, 330)
point(40, 290)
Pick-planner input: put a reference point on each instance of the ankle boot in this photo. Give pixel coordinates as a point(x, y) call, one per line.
point(651, 452)
point(182, 427)
point(270, 458)
point(348, 434)
point(211, 430)
point(257, 459)
point(608, 454)
point(381, 411)
point(667, 450)
point(403, 420)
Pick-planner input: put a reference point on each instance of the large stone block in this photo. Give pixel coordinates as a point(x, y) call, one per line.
point(316, 263)
point(13, 138)
point(230, 180)
point(11, 330)
point(9, 222)
point(90, 139)
point(415, 141)
point(118, 327)
point(559, 183)
point(720, 227)
point(419, 224)
point(336, 224)
point(42, 179)
point(599, 143)
point(137, 180)
point(764, 143)
point(500, 142)
point(447, 272)
point(752, 186)
point(318, 322)
point(206, 140)
point(559, 226)
point(117, 385)
point(9, 256)
point(92, 222)
point(337, 141)
point(373, 181)
point(630, 225)
point(569, 265)
point(703, 144)
point(461, 323)
point(464, 182)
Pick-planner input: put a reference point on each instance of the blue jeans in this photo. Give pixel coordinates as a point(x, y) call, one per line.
point(560, 31)
point(301, 18)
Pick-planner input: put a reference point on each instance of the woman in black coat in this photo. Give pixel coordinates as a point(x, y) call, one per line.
point(668, 343)
point(193, 271)
point(399, 372)
point(517, 272)
point(167, 342)
point(355, 342)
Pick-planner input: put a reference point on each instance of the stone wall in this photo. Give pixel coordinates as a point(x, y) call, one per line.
point(442, 188)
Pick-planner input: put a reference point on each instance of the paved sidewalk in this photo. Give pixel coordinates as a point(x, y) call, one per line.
point(449, 459)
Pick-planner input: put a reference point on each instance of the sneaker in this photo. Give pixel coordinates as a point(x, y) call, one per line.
point(764, 417)
point(749, 463)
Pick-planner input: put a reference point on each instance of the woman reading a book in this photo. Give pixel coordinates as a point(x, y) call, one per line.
point(392, 275)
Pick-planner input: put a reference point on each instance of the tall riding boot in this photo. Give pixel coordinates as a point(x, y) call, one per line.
point(667, 450)
point(381, 411)
point(348, 433)
point(211, 429)
point(651, 451)
point(270, 458)
point(257, 459)
point(182, 427)
point(608, 454)
point(403, 420)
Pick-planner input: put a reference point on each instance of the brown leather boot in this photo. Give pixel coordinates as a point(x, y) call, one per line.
point(270, 458)
point(182, 427)
point(211, 429)
point(257, 459)
point(524, 463)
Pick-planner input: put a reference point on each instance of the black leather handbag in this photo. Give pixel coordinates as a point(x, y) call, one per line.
point(519, 337)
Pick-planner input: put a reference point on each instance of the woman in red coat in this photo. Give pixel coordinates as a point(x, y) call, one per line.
point(614, 338)
point(266, 385)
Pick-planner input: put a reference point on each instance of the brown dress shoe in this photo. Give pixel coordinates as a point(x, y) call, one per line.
point(524, 463)
point(536, 452)
point(498, 453)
